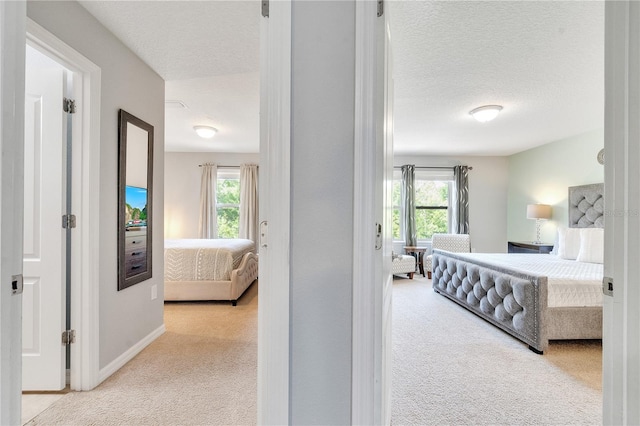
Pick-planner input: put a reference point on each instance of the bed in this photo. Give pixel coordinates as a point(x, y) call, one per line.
point(535, 297)
point(208, 269)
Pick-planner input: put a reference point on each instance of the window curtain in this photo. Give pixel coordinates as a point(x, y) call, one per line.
point(461, 205)
point(248, 227)
point(409, 204)
point(208, 224)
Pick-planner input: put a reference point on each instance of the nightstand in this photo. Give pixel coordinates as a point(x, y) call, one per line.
point(528, 247)
point(418, 253)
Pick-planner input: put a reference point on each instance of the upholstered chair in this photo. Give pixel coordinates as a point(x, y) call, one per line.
point(403, 264)
point(457, 243)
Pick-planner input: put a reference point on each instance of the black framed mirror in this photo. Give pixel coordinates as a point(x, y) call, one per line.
point(135, 190)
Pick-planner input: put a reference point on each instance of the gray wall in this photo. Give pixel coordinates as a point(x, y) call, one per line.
point(488, 183)
point(126, 316)
point(543, 175)
point(182, 188)
point(322, 145)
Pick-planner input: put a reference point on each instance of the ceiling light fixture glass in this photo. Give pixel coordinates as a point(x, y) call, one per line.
point(485, 113)
point(206, 132)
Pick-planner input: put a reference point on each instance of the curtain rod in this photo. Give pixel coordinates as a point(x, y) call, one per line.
point(428, 167)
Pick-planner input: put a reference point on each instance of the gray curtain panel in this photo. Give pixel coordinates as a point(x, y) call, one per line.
point(409, 204)
point(208, 224)
point(461, 206)
point(248, 227)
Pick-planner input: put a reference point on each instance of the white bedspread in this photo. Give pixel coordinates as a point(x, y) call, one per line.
point(202, 259)
point(570, 283)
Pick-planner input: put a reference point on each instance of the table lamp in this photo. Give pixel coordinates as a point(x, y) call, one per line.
point(539, 212)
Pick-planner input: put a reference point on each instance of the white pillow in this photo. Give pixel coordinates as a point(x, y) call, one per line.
point(554, 250)
point(591, 245)
point(568, 243)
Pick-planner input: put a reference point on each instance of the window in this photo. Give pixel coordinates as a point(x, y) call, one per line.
point(433, 203)
point(228, 202)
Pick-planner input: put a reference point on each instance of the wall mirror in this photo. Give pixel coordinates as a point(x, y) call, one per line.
point(135, 189)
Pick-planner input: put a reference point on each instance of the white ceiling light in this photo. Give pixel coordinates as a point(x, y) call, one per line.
point(486, 113)
point(206, 132)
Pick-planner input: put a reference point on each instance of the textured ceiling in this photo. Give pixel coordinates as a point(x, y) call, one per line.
point(230, 103)
point(543, 61)
point(186, 39)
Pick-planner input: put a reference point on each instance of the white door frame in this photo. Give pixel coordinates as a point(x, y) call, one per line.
point(275, 190)
point(369, 339)
point(12, 60)
point(621, 313)
point(86, 204)
point(273, 311)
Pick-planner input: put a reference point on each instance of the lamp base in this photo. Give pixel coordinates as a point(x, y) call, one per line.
point(538, 224)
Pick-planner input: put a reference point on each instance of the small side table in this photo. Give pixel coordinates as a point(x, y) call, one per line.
point(418, 253)
point(528, 247)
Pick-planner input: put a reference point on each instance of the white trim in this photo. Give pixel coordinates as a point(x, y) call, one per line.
point(366, 366)
point(127, 356)
point(621, 313)
point(387, 191)
point(274, 269)
point(86, 189)
point(12, 73)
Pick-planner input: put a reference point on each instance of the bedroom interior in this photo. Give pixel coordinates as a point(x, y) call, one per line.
point(221, 261)
point(503, 182)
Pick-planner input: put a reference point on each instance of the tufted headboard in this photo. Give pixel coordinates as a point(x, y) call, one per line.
point(586, 206)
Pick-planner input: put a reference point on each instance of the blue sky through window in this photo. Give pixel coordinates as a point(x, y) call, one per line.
point(136, 197)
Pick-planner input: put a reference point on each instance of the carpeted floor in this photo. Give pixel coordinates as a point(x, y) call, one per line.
point(202, 371)
point(452, 368)
point(449, 367)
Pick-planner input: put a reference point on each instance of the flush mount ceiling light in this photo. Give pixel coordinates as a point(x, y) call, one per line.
point(206, 132)
point(485, 113)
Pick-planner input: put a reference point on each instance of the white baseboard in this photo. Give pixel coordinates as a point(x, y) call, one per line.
point(119, 362)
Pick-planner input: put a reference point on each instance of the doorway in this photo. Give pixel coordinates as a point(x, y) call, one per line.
point(82, 84)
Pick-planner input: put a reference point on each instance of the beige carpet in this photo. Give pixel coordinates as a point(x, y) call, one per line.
point(449, 367)
point(202, 371)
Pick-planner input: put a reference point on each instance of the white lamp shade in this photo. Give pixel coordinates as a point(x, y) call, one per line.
point(538, 211)
point(206, 132)
point(485, 113)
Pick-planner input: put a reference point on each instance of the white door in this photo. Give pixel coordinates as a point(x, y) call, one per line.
point(621, 311)
point(12, 40)
point(44, 303)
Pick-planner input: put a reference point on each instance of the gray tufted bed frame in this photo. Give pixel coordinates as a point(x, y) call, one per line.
point(515, 301)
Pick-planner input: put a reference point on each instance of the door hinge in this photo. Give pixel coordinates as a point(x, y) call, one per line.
point(68, 221)
point(265, 8)
point(378, 245)
point(380, 8)
point(264, 234)
point(68, 337)
point(607, 286)
point(69, 105)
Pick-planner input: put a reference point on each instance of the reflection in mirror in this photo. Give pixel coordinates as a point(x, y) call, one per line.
point(134, 206)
